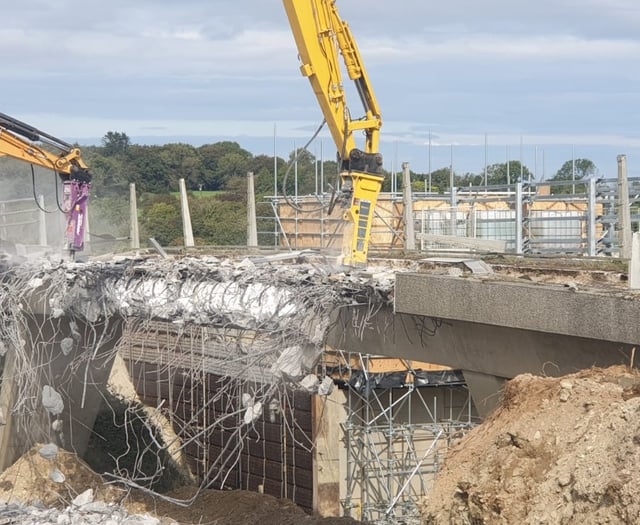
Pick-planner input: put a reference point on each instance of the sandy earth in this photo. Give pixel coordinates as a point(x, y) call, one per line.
point(35, 480)
point(236, 507)
point(559, 451)
point(31, 480)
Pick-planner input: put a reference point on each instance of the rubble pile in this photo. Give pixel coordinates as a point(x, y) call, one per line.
point(49, 485)
point(270, 323)
point(558, 450)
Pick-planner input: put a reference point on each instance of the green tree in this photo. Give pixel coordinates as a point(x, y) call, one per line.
point(161, 220)
point(219, 222)
point(232, 165)
point(182, 161)
point(469, 179)
point(214, 173)
point(109, 173)
point(503, 173)
point(571, 170)
point(441, 179)
point(301, 166)
point(115, 143)
point(148, 170)
point(584, 168)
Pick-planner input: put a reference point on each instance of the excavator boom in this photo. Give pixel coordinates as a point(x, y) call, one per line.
point(25, 143)
point(322, 38)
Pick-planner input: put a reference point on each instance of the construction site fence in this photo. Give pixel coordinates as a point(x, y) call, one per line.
point(23, 223)
point(552, 217)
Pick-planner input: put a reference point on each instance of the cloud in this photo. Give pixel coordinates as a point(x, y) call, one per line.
point(419, 49)
point(559, 70)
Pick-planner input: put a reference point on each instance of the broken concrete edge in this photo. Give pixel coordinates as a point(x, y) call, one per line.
point(75, 300)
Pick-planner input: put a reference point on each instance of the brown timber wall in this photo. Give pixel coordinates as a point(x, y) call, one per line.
point(274, 455)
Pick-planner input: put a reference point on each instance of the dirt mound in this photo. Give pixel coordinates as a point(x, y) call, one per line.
point(559, 450)
point(53, 477)
point(53, 481)
point(234, 507)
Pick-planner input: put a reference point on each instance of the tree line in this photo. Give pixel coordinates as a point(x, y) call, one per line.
point(216, 176)
point(222, 166)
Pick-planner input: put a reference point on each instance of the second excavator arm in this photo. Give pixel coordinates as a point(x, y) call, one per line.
point(322, 37)
point(25, 143)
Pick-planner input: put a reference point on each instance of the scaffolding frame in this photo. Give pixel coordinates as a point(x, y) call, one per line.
point(395, 437)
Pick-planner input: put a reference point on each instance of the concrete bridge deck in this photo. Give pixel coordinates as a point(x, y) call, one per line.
point(492, 327)
point(497, 326)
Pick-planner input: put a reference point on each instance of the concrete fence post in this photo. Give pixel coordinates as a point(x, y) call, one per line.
point(623, 209)
point(134, 232)
point(592, 213)
point(186, 216)
point(252, 224)
point(519, 219)
point(407, 197)
point(453, 218)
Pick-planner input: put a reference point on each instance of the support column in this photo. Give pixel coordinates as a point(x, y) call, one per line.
point(186, 216)
point(592, 241)
point(9, 443)
point(252, 226)
point(623, 212)
point(134, 232)
point(329, 416)
point(407, 196)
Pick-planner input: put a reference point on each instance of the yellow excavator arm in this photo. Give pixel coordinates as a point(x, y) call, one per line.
point(20, 141)
point(24, 143)
point(322, 37)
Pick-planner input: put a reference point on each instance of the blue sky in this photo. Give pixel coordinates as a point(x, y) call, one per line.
point(561, 76)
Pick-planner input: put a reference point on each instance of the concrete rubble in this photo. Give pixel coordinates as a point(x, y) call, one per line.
point(91, 513)
point(288, 308)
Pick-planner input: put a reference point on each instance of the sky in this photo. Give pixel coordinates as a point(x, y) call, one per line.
point(464, 81)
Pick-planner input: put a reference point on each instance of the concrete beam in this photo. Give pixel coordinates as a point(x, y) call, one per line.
point(543, 308)
point(486, 353)
point(492, 350)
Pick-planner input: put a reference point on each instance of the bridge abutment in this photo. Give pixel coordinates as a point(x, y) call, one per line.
point(53, 382)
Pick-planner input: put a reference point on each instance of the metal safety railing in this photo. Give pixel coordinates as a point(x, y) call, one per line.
point(22, 222)
point(538, 218)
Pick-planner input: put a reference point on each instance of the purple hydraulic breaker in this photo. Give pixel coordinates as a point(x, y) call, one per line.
point(75, 202)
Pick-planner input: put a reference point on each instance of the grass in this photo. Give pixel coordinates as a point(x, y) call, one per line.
point(200, 193)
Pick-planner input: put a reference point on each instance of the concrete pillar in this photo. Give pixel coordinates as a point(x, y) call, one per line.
point(78, 372)
point(329, 416)
point(252, 226)
point(134, 232)
point(453, 218)
point(407, 196)
point(186, 216)
point(623, 211)
point(519, 219)
point(485, 390)
point(634, 264)
point(592, 240)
